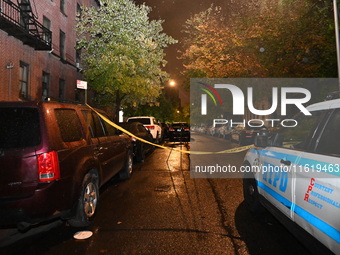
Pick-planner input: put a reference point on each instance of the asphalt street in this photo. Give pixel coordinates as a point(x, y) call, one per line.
point(163, 210)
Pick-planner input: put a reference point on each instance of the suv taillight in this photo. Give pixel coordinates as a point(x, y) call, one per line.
point(150, 127)
point(48, 166)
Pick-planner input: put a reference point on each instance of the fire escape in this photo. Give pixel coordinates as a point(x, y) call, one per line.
point(19, 21)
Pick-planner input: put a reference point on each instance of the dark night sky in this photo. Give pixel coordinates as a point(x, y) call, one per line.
point(175, 13)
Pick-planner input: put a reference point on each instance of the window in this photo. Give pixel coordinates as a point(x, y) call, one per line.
point(110, 130)
point(23, 90)
point(77, 96)
point(300, 136)
point(19, 127)
point(93, 122)
point(69, 125)
point(89, 121)
point(99, 126)
point(78, 57)
point(62, 6)
point(141, 129)
point(62, 45)
point(47, 24)
point(329, 140)
point(45, 93)
point(61, 89)
point(145, 121)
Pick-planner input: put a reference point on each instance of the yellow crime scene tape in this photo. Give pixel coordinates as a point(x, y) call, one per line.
point(234, 150)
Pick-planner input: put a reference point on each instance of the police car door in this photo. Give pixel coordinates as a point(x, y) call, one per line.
point(318, 184)
point(276, 180)
point(288, 146)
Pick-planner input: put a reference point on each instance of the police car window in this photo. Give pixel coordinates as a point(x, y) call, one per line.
point(298, 137)
point(329, 140)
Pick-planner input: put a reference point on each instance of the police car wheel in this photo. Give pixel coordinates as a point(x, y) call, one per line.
point(251, 195)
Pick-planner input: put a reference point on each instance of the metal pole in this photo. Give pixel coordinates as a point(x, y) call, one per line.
point(10, 84)
point(336, 22)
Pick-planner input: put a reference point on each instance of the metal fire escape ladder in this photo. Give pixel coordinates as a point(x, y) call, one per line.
point(27, 16)
point(18, 20)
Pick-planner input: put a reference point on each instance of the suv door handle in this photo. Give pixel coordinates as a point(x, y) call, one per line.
point(285, 162)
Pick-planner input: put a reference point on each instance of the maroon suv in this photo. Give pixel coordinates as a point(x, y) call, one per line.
point(54, 157)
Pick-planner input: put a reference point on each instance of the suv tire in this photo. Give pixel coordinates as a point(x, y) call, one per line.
point(140, 155)
point(126, 172)
point(88, 201)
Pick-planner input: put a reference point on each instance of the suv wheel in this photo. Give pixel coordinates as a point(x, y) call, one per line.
point(251, 195)
point(126, 172)
point(140, 157)
point(88, 201)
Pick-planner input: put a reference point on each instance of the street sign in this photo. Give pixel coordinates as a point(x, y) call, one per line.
point(81, 84)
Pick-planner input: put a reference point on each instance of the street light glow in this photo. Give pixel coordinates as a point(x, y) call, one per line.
point(172, 83)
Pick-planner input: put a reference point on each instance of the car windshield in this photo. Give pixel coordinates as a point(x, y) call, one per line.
point(129, 127)
point(19, 128)
point(144, 121)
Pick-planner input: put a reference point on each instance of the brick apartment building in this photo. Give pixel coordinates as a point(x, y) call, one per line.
point(38, 59)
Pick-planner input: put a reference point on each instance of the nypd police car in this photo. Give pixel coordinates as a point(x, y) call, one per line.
point(296, 174)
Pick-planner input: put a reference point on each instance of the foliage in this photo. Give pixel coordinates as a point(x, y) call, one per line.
point(272, 39)
point(214, 49)
point(164, 110)
point(122, 52)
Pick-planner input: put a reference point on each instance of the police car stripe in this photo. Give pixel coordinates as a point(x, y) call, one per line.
point(275, 195)
point(313, 220)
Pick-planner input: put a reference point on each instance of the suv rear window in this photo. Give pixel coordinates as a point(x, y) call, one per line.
point(19, 128)
point(144, 121)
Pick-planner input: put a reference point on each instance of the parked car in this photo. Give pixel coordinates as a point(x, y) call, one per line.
point(165, 127)
point(140, 149)
point(150, 123)
point(54, 157)
point(179, 131)
point(295, 175)
point(244, 135)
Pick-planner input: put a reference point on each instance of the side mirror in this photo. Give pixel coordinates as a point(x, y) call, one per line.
point(261, 141)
